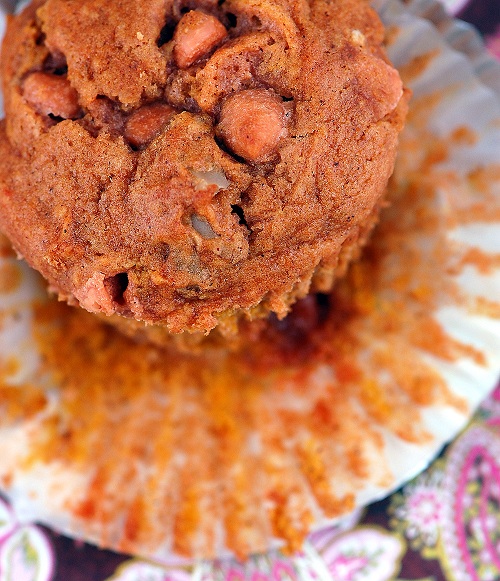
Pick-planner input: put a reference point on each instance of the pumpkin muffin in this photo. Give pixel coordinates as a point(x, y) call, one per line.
point(184, 164)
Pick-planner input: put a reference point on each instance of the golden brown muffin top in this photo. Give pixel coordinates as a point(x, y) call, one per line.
point(180, 162)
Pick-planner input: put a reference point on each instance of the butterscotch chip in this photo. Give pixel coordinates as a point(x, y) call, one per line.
point(186, 165)
point(50, 94)
point(147, 123)
point(196, 34)
point(252, 123)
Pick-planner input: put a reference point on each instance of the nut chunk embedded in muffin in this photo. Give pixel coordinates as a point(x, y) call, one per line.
point(193, 162)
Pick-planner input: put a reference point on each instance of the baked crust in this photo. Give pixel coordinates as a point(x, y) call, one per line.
point(181, 230)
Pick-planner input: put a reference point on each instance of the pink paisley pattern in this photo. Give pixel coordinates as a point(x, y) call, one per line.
point(471, 526)
point(363, 553)
point(26, 553)
point(418, 510)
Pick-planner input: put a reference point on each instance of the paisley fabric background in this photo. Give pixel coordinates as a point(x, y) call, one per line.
point(443, 525)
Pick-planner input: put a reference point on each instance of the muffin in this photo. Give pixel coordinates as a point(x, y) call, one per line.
point(185, 164)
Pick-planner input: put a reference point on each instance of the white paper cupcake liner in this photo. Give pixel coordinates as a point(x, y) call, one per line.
point(208, 461)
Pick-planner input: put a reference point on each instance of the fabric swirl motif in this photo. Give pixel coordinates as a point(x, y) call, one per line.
point(25, 551)
point(136, 570)
point(365, 553)
point(471, 516)
point(417, 511)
